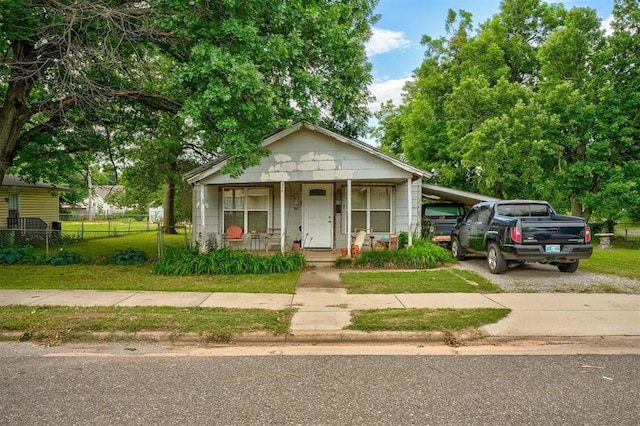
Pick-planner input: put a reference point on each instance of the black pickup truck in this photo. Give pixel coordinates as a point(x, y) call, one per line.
point(521, 231)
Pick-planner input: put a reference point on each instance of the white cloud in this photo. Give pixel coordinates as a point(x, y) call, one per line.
point(383, 41)
point(606, 25)
point(385, 90)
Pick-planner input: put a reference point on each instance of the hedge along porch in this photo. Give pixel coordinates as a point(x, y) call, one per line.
point(316, 187)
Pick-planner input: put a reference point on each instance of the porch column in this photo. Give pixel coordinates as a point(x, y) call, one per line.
point(203, 237)
point(409, 210)
point(282, 204)
point(349, 217)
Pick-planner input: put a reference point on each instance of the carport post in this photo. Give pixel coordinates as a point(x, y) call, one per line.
point(203, 210)
point(349, 217)
point(282, 204)
point(409, 210)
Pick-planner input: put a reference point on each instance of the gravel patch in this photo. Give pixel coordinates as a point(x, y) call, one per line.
point(539, 278)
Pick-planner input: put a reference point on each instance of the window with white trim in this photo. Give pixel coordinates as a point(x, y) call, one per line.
point(246, 207)
point(371, 208)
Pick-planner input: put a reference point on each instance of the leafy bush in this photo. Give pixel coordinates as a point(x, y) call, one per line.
point(226, 262)
point(63, 257)
point(13, 255)
point(129, 256)
point(403, 239)
point(421, 255)
point(343, 261)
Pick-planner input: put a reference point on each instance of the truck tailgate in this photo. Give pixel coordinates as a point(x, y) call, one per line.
point(552, 232)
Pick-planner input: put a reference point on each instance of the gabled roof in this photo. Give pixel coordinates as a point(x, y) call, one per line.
point(13, 181)
point(216, 165)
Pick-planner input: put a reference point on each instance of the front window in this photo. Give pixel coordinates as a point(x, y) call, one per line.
point(246, 207)
point(371, 209)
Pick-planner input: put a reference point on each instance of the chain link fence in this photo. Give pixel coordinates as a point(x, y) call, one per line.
point(628, 231)
point(58, 238)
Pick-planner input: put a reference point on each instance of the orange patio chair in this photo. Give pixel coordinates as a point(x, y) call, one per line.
point(235, 234)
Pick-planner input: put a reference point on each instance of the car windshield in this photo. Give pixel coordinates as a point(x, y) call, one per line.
point(443, 211)
point(520, 210)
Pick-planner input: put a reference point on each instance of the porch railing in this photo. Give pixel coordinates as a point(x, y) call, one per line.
point(30, 223)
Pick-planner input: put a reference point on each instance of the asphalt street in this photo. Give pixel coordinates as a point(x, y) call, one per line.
point(138, 386)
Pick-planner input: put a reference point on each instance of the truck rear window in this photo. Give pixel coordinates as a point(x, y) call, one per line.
point(523, 210)
point(443, 211)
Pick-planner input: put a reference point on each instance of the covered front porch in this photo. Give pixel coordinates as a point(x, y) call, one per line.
point(318, 216)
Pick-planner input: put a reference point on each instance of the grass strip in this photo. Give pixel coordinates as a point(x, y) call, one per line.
point(432, 281)
point(139, 277)
point(619, 261)
point(424, 319)
point(65, 324)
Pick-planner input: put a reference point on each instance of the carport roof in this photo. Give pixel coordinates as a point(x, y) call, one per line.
point(449, 194)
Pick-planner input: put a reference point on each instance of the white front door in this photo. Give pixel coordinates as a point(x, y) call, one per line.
point(317, 218)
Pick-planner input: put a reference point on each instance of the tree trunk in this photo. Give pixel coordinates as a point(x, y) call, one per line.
point(13, 116)
point(576, 207)
point(15, 109)
point(168, 220)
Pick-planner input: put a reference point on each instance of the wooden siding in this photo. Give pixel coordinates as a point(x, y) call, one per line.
point(4, 207)
point(32, 203)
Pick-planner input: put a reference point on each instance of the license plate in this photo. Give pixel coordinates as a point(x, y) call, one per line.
point(552, 248)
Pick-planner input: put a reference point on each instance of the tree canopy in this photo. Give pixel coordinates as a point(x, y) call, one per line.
point(77, 76)
point(536, 102)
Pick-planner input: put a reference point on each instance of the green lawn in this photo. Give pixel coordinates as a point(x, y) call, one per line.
point(139, 278)
point(102, 248)
point(431, 281)
point(618, 260)
point(424, 319)
point(59, 324)
point(116, 225)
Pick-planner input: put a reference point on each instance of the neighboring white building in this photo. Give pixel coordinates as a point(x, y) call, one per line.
point(156, 214)
point(98, 205)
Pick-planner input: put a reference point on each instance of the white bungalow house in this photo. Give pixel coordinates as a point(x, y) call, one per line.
point(316, 187)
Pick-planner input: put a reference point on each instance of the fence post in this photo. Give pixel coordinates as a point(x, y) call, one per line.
point(159, 241)
point(46, 243)
point(82, 230)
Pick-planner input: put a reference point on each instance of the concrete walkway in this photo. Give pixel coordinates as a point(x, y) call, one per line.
point(323, 306)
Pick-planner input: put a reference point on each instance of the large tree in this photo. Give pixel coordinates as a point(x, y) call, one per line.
point(239, 70)
point(537, 103)
point(61, 61)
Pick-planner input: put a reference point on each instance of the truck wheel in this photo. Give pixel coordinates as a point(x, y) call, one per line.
point(495, 260)
point(569, 267)
point(456, 250)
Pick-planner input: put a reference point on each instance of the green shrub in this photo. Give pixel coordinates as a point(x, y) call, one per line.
point(422, 255)
point(226, 262)
point(129, 256)
point(343, 261)
point(13, 255)
point(63, 257)
point(403, 239)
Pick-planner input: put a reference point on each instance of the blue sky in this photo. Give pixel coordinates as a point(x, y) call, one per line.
point(395, 49)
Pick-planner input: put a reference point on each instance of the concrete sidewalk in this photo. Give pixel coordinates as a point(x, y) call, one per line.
point(323, 306)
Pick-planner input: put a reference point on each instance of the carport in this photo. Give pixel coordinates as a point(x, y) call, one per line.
point(441, 193)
